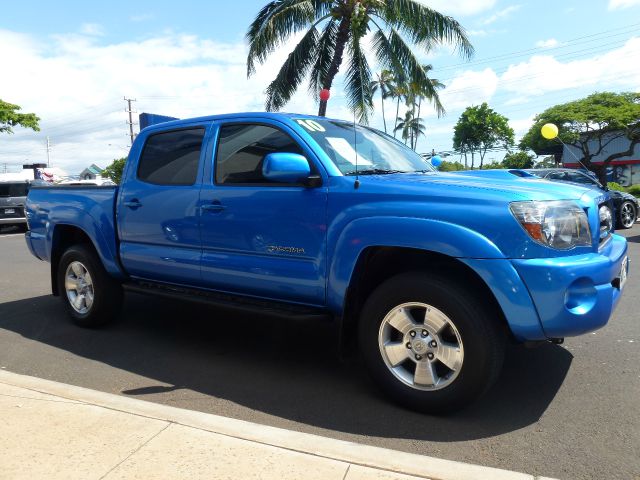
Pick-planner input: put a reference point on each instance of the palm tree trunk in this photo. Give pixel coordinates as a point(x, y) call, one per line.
point(384, 120)
point(397, 113)
point(341, 42)
point(418, 117)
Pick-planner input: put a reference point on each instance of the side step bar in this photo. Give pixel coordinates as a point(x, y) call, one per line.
point(230, 301)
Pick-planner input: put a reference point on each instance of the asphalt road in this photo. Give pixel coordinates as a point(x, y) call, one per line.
point(570, 411)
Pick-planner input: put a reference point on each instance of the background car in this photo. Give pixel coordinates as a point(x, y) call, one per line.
point(626, 205)
point(13, 195)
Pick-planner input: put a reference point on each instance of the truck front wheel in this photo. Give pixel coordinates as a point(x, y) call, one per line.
point(90, 295)
point(429, 343)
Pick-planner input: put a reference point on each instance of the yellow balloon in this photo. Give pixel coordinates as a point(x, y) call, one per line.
point(549, 131)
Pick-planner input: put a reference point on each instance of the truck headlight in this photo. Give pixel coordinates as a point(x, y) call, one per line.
point(559, 224)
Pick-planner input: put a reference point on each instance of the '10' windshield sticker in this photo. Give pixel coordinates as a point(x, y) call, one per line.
point(311, 125)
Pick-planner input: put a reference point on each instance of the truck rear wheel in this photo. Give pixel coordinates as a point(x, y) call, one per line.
point(90, 295)
point(429, 343)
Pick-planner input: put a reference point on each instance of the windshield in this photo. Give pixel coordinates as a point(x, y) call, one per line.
point(377, 152)
point(14, 189)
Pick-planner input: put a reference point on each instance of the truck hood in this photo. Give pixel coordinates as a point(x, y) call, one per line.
point(476, 201)
point(492, 183)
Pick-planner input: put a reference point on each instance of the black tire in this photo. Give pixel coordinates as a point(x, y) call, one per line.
point(483, 341)
point(627, 214)
point(106, 291)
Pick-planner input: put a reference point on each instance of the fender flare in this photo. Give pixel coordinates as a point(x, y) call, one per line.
point(98, 233)
point(408, 232)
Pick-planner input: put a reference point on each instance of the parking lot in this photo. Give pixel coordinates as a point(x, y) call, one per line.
point(569, 411)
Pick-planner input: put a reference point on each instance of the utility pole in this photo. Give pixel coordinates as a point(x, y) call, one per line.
point(130, 122)
point(48, 151)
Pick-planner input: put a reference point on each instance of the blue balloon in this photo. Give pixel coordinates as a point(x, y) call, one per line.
point(436, 161)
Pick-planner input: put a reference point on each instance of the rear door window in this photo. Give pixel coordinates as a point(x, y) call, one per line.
point(171, 158)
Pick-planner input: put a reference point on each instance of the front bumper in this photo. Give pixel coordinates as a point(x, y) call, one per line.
point(13, 221)
point(575, 294)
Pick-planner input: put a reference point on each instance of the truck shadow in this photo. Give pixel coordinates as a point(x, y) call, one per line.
point(275, 366)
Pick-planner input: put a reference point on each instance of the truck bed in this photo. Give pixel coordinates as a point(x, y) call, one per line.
point(91, 208)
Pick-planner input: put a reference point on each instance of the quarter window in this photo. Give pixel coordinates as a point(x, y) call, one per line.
point(171, 158)
point(241, 152)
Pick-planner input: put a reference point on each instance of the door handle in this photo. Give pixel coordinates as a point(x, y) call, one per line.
point(213, 207)
point(134, 203)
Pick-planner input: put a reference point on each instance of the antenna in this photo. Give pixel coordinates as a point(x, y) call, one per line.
point(356, 184)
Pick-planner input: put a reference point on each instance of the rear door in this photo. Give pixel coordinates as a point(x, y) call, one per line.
point(158, 215)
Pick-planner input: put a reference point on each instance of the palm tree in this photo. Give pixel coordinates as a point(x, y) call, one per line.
point(411, 128)
point(333, 26)
point(429, 91)
point(417, 92)
point(383, 83)
point(400, 92)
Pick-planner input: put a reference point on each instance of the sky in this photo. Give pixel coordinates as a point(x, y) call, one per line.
point(73, 63)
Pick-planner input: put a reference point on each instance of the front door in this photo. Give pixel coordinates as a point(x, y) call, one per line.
point(258, 237)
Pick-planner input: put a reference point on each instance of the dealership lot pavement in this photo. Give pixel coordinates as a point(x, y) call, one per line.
point(567, 411)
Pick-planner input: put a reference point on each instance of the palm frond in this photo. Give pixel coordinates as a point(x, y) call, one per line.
point(358, 82)
point(324, 56)
point(425, 26)
point(277, 20)
point(292, 72)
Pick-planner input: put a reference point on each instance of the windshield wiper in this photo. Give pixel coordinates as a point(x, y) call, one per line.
point(375, 171)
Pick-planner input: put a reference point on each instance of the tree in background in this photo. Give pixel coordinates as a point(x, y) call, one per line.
point(411, 128)
point(9, 118)
point(479, 129)
point(384, 83)
point(591, 125)
point(335, 27)
point(416, 92)
point(518, 160)
point(114, 171)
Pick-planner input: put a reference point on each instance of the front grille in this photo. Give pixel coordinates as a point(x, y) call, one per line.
point(18, 212)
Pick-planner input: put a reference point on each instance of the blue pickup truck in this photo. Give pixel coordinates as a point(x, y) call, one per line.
point(428, 274)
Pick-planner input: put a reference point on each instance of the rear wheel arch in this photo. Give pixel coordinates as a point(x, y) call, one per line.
point(63, 237)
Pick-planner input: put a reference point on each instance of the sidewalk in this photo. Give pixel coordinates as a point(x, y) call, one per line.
point(56, 431)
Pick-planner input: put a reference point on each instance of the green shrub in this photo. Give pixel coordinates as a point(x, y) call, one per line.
point(448, 166)
point(634, 190)
point(615, 186)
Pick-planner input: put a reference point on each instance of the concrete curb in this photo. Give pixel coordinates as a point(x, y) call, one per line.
point(349, 452)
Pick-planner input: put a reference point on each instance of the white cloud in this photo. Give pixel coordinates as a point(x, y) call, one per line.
point(504, 13)
point(76, 85)
point(92, 29)
point(469, 88)
point(541, 74)
point(552, 42)
point(460, 7)
point(521, 125)
point(618, 4)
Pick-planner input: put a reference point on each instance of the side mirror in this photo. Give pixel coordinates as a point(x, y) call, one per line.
point(286, 167)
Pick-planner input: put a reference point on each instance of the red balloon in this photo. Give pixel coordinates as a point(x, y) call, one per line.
point(324, 94)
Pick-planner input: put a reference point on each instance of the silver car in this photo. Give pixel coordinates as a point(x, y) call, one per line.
point(13, 195)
